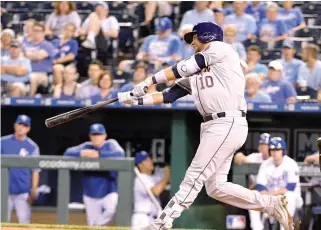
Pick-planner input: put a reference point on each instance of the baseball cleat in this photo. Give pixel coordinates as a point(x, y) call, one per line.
point(281, 213)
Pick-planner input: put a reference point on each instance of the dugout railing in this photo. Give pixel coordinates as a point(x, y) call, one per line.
point(64, 165)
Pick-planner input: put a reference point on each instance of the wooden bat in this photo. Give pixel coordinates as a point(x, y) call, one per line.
point(68, 116)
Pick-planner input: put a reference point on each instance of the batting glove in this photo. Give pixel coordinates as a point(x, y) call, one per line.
point(140, 89)
point(127, 98)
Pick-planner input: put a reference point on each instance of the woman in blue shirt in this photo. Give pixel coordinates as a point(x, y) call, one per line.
point(105, 83)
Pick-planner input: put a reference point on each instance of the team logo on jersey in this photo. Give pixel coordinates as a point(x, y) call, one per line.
point(184, 68)
point(23, 152)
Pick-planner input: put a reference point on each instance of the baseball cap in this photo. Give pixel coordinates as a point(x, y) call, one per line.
point(276, 65)
point(164, 24)
point(101, 3)
point(8, 31)
point(288, 44)
point(218, 10)
point(97, 129)
point(264, 138)
point(23, 119)
point(15, 43)
point(140, 157)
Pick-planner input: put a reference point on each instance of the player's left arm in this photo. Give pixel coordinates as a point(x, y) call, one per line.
point(115, 151)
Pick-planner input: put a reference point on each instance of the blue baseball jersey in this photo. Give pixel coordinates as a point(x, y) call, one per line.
point(279, 91)
point(291, 18)
point(244, 25)
point(20, 179)
point(99, 184)
point(162, 48)
point(312, 78)
point(68, 47)
point(291, 69)
point(258, 12)
point(270, 29)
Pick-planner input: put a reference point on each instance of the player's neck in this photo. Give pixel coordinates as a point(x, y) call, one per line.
point(278, 162)
point(20, 137)
point(146, 171)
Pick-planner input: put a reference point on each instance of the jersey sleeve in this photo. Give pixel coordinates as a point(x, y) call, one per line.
point(115, 150)
point(261, 178)
point(75, 151)
point(213, 53)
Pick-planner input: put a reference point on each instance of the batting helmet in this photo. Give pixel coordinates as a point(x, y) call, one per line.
point(264, 138)
point(206, 32)
point(278, 143)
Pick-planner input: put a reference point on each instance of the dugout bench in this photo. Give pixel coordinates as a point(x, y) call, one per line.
point(64, 165)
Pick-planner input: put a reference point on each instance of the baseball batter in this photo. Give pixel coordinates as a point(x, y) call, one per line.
point(100, 188)
point(215, 79)
point(278, 175)
point(23, 182)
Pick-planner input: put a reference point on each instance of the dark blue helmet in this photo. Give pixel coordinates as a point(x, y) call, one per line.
point(206, 32)
point(278, 143)
point(264, 138)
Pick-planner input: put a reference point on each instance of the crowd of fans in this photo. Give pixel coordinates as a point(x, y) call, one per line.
point(50, 57)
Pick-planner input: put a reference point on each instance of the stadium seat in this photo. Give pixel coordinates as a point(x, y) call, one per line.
point(84, 6)
point(271, 55)
point(304, 33)
point(49, 5)
point(27, 15)
point(16, 27)
point(117, 6)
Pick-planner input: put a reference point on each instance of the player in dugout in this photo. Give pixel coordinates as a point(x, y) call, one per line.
point(278, 175)
point(100, 188)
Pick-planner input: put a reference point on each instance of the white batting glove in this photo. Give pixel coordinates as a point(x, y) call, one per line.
point(140, 89)
point(126, 98)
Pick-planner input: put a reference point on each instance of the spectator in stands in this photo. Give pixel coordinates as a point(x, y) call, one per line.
point(253, 58)
point(69, 88)
point(256, 9)
point(279, 90)
point(292, 17)
point(290, 64)
point(253, 93)
point(7, 36)
point(271, 30)
point(65, 13)
point(41, 53)
point(309, 73)
point(230, 38)
point(201, 13)
point(244, 23)
point(27, 30)
point(105, 84)
point(90, 87)
point(219, 16)
point(23, 182)
point(99, 26)
point(160, 48)
point(15, 71)
point(67, 52)
point(186, 50)
point(140, 75)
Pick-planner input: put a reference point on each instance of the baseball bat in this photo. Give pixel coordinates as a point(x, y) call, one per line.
point(68, 116)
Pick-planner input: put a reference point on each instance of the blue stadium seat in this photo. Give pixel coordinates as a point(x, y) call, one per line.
point(117, 6)
point(49, 5)
point(27, 15)
point(24, 5)
point(310, 8)
point(304, 33)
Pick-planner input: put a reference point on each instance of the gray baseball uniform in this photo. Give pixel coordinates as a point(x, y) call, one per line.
point(218, 91)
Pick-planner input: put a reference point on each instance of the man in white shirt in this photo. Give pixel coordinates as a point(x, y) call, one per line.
point(97, 21)
point(144, 208)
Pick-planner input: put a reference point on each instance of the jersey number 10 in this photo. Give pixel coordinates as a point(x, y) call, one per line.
point(208, 82)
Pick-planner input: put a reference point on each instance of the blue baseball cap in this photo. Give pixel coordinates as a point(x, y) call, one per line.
point(140, 157)
point(23, 119)
point(164, 24)
point(264, 138)
point(97, 129)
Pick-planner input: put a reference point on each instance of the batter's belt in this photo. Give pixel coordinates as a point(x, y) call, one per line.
point(214, 116)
